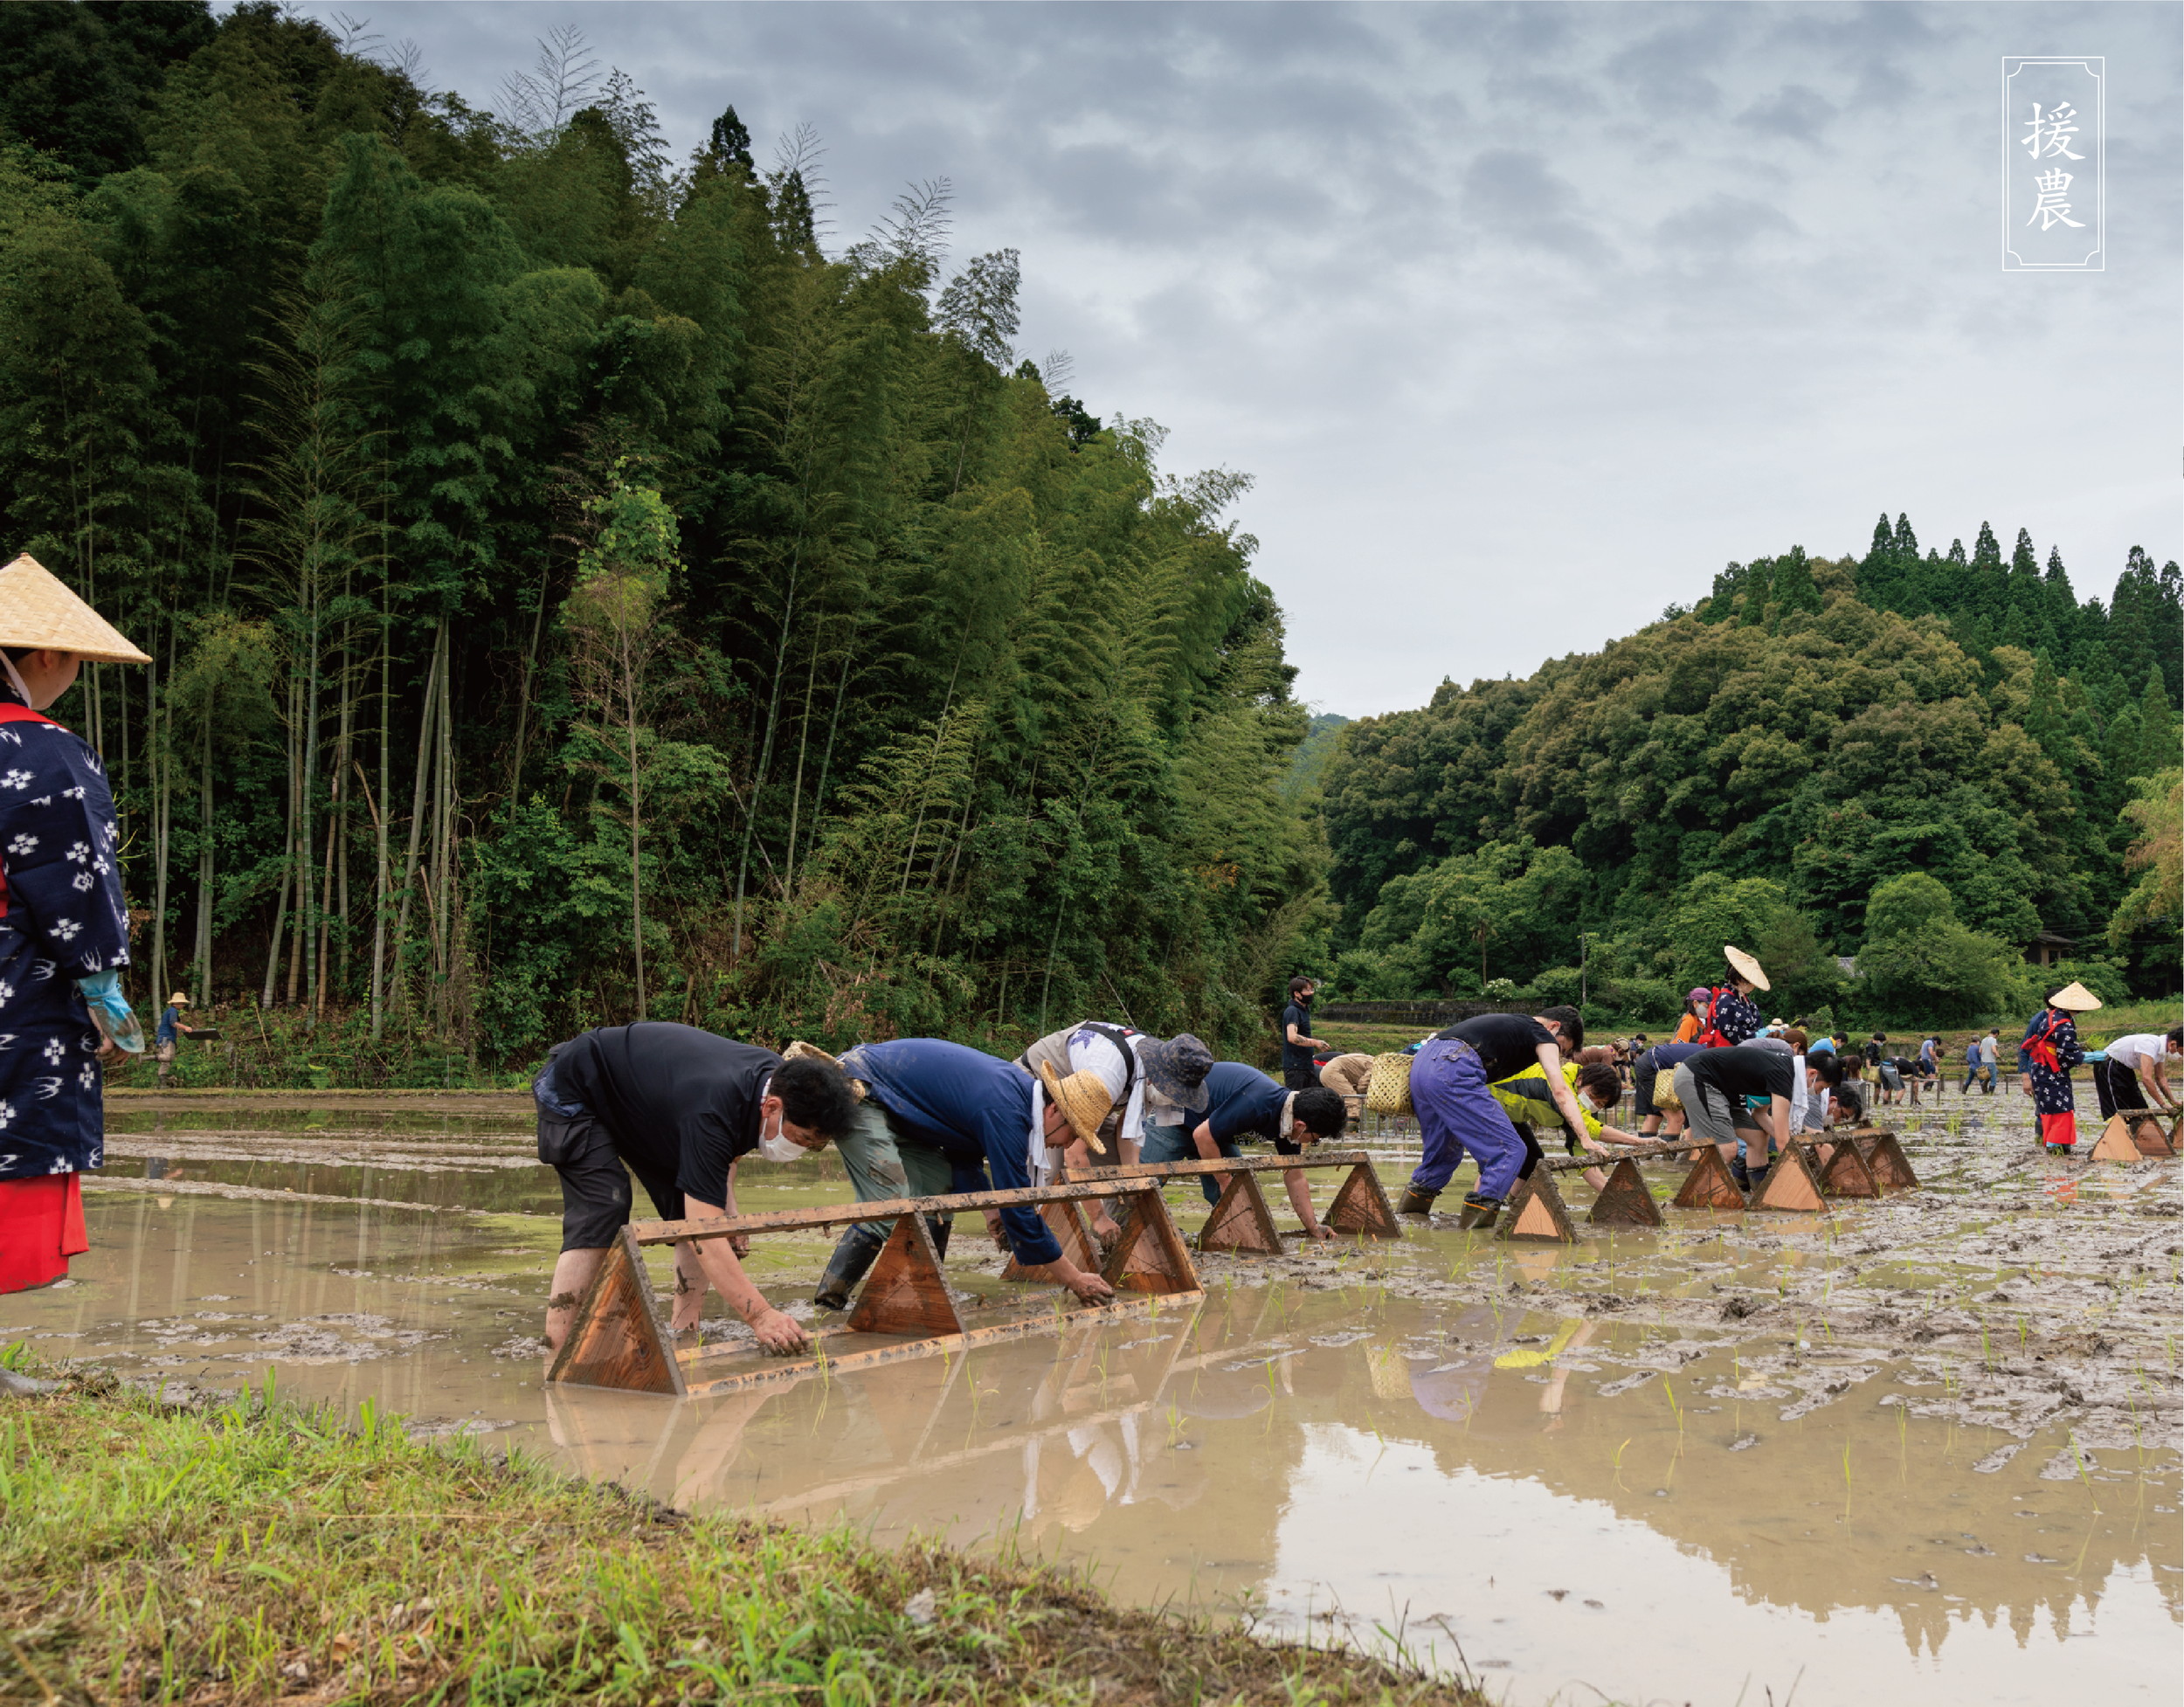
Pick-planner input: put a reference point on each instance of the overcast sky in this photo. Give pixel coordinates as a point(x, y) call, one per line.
point(1525, 318)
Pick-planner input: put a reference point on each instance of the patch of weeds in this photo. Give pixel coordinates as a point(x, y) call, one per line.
point(247, 1550)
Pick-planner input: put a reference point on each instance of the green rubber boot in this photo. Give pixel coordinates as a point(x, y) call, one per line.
point(1417, 1200)
point(1479, 1212)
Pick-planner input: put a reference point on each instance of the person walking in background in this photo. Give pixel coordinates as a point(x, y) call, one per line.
point(66, 935)
point(165, 1039)
point(1980, 1054)
point(1299, 1070)
point(2134, 1067)
point(2044, 1060)
point(1694, 1019)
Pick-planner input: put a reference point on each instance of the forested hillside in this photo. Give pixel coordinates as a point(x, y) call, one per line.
point(583, 587)
point(1923, 761)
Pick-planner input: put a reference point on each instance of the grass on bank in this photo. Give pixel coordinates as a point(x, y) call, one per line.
point(252, 1550)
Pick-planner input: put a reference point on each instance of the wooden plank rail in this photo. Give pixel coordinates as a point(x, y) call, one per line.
point(616, 1339)
point(842, 1214)
point(1241, 1220)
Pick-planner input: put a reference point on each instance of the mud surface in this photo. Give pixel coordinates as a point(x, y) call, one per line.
point(1926, 1448)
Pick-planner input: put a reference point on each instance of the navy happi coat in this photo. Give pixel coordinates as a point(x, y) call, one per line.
point(65, 920)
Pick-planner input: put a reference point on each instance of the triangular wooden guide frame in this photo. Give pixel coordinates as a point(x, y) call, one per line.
point(906, 1292)
point(1884, 1159)
point(2143, 1130)
point(1536, 1213)
point(1066, 1221)
point(616, 1339)
point(1240, 1220)
point(2115, 1145)
point(1624, 1200)
point(1844, 1173)
point(1361, 1207)
point(1150, 1255)
point(1709, 1184)
point(1791, 1186)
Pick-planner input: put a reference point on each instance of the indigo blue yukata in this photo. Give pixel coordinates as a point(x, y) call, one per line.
point(65, 920)
point(2049, 1051)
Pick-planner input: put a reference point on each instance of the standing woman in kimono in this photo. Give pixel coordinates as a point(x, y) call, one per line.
point(64, 932)
point(2044, 1060)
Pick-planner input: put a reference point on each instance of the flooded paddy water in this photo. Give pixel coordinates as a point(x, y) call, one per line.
point(1922, 1449)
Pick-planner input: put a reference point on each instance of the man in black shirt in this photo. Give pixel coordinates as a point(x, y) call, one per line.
point(1456, 1113)
point(1712, 1086)
point(677, 1107)
point(1299, 1070)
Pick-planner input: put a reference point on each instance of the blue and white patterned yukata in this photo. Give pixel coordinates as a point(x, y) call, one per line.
point(65, 920)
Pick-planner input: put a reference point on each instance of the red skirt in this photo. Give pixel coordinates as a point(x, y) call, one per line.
point(41, 1226)
point(2059, 1129)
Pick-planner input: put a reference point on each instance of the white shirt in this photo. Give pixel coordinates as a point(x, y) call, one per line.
point(2137, 1049)
point(1093, 1052)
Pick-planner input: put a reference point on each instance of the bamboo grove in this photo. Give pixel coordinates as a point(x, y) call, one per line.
point(580, 589)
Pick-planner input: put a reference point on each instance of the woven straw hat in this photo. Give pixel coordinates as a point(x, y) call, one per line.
point(2074, 998)
point(178, 1000)
point(35, 610)
point(1748, 968)
point(1082, 1099)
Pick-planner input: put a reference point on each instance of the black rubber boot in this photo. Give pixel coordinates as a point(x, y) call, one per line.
point(1759, 1181)
point(1479, 1212)
point(854, 1253)
point(1416, 1201)
point(1741, 1174)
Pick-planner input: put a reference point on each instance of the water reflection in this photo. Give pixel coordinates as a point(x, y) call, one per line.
point(1567, 1496)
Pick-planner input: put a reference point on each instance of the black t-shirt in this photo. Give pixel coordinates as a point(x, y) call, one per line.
point(1748, 1070)
point(1505, 1042)
point(1293, 1054)
point(683, 1101)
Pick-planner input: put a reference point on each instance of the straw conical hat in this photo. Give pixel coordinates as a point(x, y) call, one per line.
point(2074, 998)
point(35, 610)
point(1747, 967)
point(1082, 1099)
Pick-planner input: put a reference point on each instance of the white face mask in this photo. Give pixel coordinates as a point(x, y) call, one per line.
point(780, 1149)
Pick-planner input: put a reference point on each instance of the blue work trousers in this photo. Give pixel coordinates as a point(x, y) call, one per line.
point(1457, 1116)
point(1172, 1144)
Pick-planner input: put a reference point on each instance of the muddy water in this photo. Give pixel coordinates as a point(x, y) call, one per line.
point(1927, 1445)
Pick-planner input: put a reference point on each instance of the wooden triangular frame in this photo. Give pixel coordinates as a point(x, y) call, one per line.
point(1624, 1200)
point(1709, 1184)
point(1791, 1186)
point(1066, 1221)
point(1151, 1256)
point(906, 1292)
point(1844, 1173)
point(1884, 1159)
point(615, 1340)
point(2115, 1145)
point(1361, 1206)
point(2143, 1126)
point(1240, 1220)
point(1537, 1214)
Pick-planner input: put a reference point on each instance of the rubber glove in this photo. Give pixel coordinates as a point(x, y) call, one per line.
point(110, 1010)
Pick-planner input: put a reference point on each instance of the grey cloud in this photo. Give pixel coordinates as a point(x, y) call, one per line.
point(1722, 224)
point(1512, 192)
point(1793, 111)
point(1485, 294)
